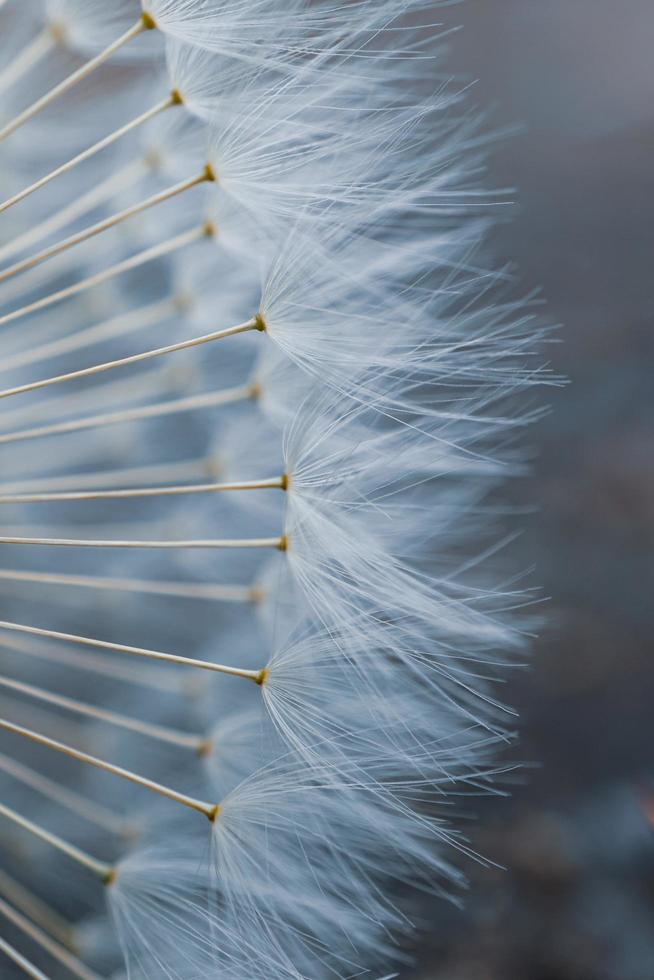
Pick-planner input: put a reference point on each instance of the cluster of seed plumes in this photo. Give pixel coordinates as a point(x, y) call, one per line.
point(259, 388)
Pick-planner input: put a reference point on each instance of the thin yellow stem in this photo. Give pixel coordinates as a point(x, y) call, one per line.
point(276, 483)
point(105, 225)
point(127, 265)
point(278, 543)
point(160, 733)
point(21, 962)
point(209, 810)
point(172, 100)
point(73, 79)
point(41, 938)
point(133, 359)
point(252, 675)
point(99, 868)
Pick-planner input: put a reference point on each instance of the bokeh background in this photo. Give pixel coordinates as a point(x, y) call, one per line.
point(577, 839)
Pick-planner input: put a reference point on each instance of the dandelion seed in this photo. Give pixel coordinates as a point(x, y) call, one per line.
point(288, 199)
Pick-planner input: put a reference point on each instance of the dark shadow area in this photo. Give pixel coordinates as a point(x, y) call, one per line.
point(577, 900)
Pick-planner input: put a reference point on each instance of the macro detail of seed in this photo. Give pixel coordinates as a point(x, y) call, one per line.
point(255, 392)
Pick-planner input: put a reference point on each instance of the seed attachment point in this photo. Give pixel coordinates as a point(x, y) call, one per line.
point(109, 878)
point(56, 32)
point(148, 22)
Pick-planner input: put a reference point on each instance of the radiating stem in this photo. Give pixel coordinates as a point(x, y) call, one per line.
point(30, 56)
point(133, 359)
point(252, 675)
point(41, 938)
point(190, 590)
point(160, 733)
point(211, 399)
point(38, 911)
point(202, 543)
point(52, 790)
point(99, 868)
point(73, 79)
point(98, 194)
point(276, 483)
point(209, 810)
point(105, 225)
point(21, 962)
point(172, 100)
point(127, 265)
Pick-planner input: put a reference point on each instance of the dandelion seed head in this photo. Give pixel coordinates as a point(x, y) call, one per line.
point(259, 381)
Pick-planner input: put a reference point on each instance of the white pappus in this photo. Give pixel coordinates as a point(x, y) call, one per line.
point(260, 385)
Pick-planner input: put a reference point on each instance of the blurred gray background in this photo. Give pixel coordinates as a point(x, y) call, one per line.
point(577, 899)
